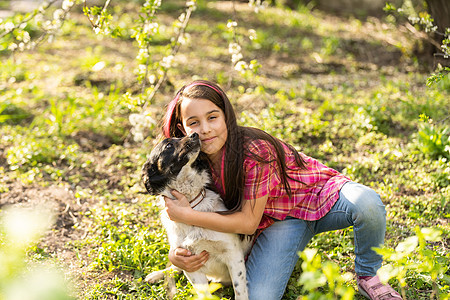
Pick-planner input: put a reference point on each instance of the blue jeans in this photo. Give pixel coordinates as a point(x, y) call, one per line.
point(274, 255)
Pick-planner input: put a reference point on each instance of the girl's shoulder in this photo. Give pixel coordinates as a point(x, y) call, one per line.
point(259, 147)
point(261, 150)
point(265, 147)
point(258, 155)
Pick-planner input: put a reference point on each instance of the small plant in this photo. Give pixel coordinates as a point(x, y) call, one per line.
point(413, 255)
point(434, 139)
point(10, 113)
point(322, 280)
point(60, 114)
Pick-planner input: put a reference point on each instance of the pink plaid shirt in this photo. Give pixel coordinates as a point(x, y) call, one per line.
point(310, 201)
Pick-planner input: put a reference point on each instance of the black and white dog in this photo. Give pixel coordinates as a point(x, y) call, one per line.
point(174, 165)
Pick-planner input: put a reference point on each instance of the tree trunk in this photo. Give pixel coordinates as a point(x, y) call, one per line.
point(440, 12)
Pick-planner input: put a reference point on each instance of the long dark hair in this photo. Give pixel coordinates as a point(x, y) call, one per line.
point(238, 138)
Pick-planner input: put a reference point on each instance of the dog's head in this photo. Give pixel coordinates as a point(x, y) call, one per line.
point(167, 160)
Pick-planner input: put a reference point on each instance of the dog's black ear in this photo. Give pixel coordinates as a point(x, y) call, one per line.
point(153, 180)
point(148, 172)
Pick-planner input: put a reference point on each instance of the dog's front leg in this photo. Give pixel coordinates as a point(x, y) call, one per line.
point(236, 267)
point(198, 280)
point(156, 276)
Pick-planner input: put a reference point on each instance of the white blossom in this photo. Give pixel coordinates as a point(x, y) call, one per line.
point(141, 119)
point(252, 34)
point(257, 5)
point(12, 47)
point(191, 4)
point(151, 27)
point(236, 57)
point(142, 68)
point(241, 66)
point(167, 61)
point(182, 17)
point(231, 24)
point(141, 124)
point(234, 48)
point(183, 39)
point(413, 20)
point(98, 66)
point(67, 4)
point(58, 14)
point(26, 37)
point(9, 26)
point(39, 18)
point(152, 79)
point(142, 54)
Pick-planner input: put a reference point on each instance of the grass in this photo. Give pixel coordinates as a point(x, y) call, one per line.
point(348, 92)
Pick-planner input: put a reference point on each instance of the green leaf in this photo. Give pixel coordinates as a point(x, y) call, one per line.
point(432, 234)
point(389, 7)
point(408, 245)
point(308, 254)
point(387, 272)
point(312, 280)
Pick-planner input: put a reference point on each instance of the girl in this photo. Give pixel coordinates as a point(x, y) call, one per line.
point(271, 190)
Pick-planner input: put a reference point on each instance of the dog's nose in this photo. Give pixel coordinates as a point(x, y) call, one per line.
point(194, 136)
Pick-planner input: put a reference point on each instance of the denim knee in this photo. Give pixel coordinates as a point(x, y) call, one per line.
point(367, 204)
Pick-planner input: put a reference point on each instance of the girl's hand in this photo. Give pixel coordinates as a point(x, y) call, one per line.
point(179, 208)
point(185, 260)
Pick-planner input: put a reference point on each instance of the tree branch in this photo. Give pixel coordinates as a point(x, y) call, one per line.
point(174, 51)
point(422, 35)
point(29, 18)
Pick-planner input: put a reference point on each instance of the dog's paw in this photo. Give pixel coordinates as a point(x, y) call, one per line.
point(154, 277)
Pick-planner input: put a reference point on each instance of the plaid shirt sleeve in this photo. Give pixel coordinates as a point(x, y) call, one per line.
point(260, 177)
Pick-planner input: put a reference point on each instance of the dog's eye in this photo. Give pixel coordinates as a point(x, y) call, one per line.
point(169, 146)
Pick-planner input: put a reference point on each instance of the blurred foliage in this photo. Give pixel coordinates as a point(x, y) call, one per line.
point(20, 229)
point(323, 280)
point(413, 255)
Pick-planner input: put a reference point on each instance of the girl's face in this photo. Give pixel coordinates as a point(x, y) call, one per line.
point(208, 120)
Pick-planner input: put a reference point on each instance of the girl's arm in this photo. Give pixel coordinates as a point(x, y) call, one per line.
point(245, 221)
